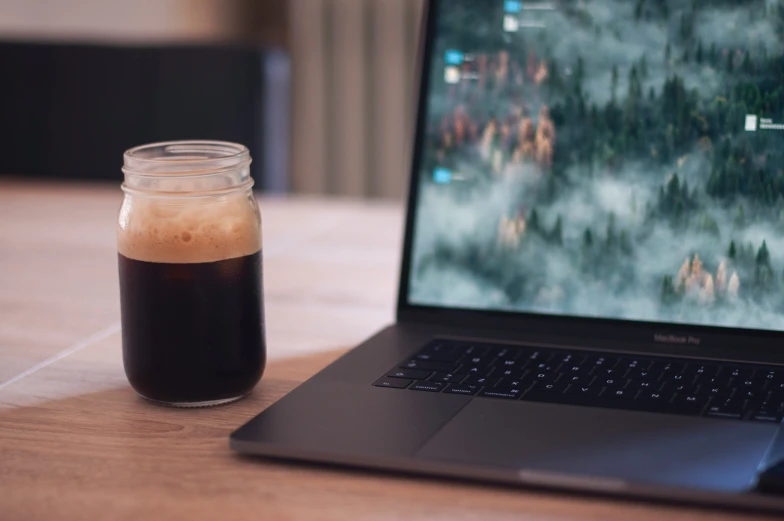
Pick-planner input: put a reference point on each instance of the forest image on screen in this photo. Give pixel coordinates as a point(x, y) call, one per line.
point(605, 158)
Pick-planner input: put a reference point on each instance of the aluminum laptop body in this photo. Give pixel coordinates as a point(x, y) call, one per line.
point(592, 225)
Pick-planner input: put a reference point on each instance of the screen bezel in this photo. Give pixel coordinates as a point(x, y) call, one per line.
point(746, 343)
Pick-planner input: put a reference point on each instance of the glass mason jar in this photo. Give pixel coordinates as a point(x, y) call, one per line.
point(189, 250)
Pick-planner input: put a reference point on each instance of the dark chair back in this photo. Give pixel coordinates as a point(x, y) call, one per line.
point(70, 110)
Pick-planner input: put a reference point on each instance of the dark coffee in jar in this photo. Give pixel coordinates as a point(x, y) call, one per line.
point(191, 292)
point(191, 332)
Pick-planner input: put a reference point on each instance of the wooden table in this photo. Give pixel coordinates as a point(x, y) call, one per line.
point(77, 443)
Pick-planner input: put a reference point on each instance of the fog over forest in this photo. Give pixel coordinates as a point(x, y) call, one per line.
point(601, 167)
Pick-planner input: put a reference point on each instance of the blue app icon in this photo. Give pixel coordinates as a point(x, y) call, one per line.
point(453, 57)
point(513, 6)
point(442, 175)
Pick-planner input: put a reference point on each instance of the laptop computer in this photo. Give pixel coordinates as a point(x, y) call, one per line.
point(591, 295)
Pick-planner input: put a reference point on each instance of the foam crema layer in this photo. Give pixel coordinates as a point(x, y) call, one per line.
point(189, 230)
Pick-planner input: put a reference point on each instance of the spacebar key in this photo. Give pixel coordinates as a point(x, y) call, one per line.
point(574, 399)
point(566, 399)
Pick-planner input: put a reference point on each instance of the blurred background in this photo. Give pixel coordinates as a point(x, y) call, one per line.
point(321, 91)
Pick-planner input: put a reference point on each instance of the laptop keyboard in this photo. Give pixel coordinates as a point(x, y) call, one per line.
point(653, 384)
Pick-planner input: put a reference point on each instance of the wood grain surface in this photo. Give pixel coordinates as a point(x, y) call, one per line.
point(76, 443)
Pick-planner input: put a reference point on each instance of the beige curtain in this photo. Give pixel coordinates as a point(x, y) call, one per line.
point(352, 95)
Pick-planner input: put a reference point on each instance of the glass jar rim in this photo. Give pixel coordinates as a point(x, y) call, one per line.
point(185, 158)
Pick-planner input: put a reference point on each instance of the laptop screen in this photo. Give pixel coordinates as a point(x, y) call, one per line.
point(619, 159)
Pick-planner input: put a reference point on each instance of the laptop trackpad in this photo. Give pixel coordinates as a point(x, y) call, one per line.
point(617, 445)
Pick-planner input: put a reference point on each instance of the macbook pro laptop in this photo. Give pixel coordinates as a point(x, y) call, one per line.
point(592, 285)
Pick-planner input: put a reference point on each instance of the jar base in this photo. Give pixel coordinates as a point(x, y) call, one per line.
point(194, 405)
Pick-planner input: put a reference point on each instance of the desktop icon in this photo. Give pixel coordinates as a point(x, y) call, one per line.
point(442, 175)
point(453, 57)
point(513, 6)
point(452, 75)
point(511, 23)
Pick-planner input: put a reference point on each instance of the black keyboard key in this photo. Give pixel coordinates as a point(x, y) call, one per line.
point(618, 394)
point(449, 378)
point(562, 398)
point(776, 388)
point(432, 387)
point(648, 385)
point(505, 353)
point(605, 373)
point(469, 390)
point(639, 364)
point(721, 411)
point(603, 362)
point(677, 377)
point(440, 357)
point(483, 381)
point(425, 365)
point(570, 369)
point(708, 371)
point(517, 391)
point(737, 402)
point(414, 374)
point(577, 379)
point(690, 403)
point(738, 373)
point(712, 381)
point(510, 363)
point(770, 375)
point(656, 397)
point(612, 382)
point(394, 383)
point(540, 356)
point(674, 367)
point(443, 348)
point(566, 399)
point(684, 388)
point(731, 405)
point(668, 368)
point(513, 383)
point(643, 374)
point(475, 359)
point(509, 394)
point(478, 361)
point(543, 367)
point(749, 394)
point(577, 399)
point(752, 405)
point(543, 376)
point(767, 416)
point(525, 364)
point(475, 350)
point(508, 373)
point(583, 390)
point(549, 387)
point(750, 384)
point(716, 392)
point(571, 359)
point(474, 370)
point(775, 405)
